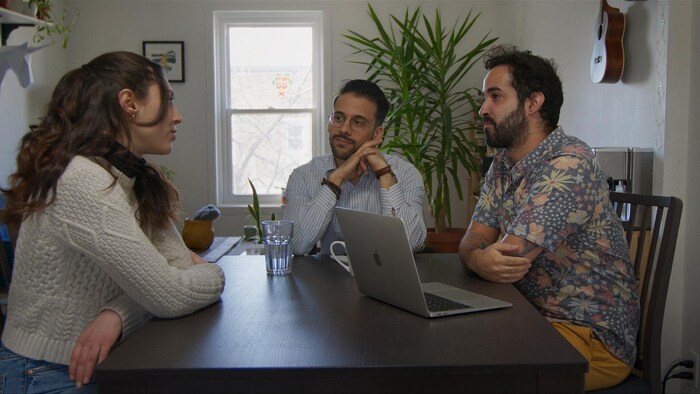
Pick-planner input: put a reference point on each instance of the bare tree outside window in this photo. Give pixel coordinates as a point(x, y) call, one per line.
point(270, 104)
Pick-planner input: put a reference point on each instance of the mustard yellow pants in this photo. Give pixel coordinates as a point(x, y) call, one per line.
point(604, 369)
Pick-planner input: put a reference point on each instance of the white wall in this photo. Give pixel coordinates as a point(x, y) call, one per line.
point(691, 317)
point(20, 107)
point(635, 112)
point(680, 169)
point(601, 114)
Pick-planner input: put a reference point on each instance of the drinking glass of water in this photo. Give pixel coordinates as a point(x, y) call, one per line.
point(278, 252)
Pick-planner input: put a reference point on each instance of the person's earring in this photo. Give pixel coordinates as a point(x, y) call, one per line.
point(133, 116)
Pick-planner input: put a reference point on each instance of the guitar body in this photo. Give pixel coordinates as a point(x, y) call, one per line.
point(608, 60)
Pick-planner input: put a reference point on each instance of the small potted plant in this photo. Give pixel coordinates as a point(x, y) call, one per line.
point(52, 25)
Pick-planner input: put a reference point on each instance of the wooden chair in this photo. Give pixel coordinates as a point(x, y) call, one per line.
point(651, 232)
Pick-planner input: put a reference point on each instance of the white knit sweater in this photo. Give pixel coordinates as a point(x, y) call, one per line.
point(86, 253)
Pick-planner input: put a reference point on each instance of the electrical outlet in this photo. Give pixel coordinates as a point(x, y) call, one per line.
point(696, 369)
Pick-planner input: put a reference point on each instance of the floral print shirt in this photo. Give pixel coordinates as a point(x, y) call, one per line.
point(557, 197)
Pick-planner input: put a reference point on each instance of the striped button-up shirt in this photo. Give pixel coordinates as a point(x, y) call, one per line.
point(310, 204)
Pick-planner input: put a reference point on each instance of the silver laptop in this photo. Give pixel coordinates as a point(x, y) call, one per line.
point(385, 269)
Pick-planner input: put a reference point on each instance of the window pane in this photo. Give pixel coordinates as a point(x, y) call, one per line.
point(271, 67)
point(266, 148)
point(269, 100)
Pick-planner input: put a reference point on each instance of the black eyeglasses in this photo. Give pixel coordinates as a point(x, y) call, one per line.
point(357, 124)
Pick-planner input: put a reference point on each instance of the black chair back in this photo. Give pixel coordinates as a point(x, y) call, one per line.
point(651, 230)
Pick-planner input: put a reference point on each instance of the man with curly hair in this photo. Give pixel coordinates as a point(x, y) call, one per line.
point(544, 221)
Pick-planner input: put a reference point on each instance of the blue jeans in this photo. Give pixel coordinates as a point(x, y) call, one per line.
point(19, 375)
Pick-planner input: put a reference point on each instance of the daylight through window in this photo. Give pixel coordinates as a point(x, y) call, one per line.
point(269, 98)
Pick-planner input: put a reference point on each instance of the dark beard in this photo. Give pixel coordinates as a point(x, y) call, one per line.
point(343, 155)
point(511, 132)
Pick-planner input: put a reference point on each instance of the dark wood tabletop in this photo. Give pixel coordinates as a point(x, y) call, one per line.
point(312, 331)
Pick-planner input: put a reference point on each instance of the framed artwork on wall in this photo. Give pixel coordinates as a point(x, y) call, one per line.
point(170, 55)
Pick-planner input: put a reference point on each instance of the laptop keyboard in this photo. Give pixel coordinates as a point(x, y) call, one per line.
point(439, 304)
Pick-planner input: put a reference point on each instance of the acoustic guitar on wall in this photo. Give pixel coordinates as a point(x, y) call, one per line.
point(608, 60)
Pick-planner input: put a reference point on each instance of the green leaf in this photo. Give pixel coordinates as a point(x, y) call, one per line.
point(254, 211)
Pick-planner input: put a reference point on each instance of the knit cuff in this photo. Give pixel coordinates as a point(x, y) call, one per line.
point(132, 314)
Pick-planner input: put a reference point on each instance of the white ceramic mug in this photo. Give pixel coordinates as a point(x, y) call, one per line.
point(341, 259)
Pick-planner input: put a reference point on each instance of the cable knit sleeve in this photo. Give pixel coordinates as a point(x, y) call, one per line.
point(96, 216)
point(170, 245)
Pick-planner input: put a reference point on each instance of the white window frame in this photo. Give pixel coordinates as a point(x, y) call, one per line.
point(222, 21)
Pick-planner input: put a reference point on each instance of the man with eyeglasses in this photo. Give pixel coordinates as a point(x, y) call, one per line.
point(355, 175)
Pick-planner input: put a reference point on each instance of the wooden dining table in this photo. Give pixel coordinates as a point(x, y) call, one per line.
point(313, 331)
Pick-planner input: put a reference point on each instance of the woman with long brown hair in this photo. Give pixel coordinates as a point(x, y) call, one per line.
point(98, 253)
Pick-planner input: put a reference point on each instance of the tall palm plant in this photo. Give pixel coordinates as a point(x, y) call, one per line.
point(421, 66)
